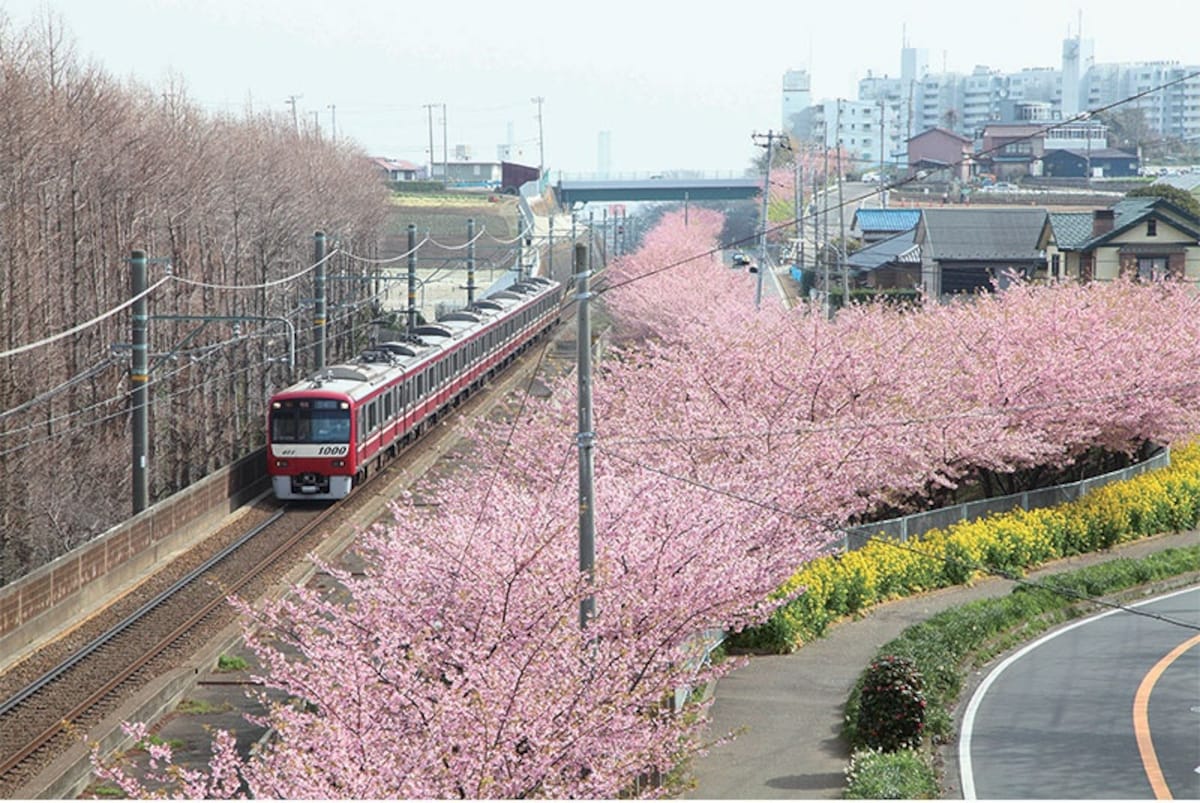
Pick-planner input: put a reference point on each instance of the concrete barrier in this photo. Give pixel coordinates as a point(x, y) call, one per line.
point(53, 598)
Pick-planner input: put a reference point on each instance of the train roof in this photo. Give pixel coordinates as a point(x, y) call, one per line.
point(382, 362)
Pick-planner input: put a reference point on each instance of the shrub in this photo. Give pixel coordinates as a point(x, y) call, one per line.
point(891, 712)
point(902, 775)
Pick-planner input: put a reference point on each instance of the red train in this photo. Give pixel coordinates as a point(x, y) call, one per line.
point(326, 432)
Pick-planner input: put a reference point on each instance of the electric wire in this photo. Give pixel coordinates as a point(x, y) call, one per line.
point(865, 531)
point(261, 285)
point(889, 423)
point(80, 327)
point(765, 230)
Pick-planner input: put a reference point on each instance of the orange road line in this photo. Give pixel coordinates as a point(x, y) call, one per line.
point(1141, 721)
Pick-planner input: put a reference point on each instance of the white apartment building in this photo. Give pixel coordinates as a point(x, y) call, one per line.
point(919, 100)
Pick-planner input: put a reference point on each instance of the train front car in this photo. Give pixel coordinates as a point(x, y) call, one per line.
point(308, 449)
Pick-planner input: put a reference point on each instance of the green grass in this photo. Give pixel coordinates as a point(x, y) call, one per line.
point(950, 644)
point(155, 739)
point(231, 663)
point(189, 706)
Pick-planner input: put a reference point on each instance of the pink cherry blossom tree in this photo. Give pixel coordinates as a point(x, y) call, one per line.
point(732, 444)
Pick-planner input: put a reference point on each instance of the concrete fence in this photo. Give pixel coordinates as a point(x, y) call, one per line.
point(54, 597)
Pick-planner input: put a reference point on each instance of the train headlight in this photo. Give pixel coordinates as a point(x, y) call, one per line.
point(281, 464)
point(338, 463)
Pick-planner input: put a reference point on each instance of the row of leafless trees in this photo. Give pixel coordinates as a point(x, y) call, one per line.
point(90, 169)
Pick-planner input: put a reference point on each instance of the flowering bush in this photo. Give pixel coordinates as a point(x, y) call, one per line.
point(835, 586)
point(891, 710)
point(901, 775)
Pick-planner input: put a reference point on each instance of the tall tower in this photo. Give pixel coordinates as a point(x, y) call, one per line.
point(797, 98)
point(604, 154)
point(1077, 59)
point(914, 63)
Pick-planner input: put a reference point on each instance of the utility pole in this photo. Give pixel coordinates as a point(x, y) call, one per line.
point(429, 107)
point(882, 111)
point(842, 217)
point(291, 101)
point(333, 121)
point(412, 277)
point(770, 137)
point(470, 260)
point(139, 374)
point(586, 436)
point(319, 308)
point(445, 148)
point(539, 100)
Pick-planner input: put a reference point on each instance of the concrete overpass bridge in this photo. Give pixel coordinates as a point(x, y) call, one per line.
point(572, 191)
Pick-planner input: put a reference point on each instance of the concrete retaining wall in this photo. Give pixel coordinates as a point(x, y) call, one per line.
point(55, 597)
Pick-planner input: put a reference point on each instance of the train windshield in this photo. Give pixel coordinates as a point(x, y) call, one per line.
point(310, 421)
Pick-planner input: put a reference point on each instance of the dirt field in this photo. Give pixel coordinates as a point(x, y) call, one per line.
point(441, 233)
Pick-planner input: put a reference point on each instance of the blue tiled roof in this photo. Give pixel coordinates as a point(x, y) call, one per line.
point(1071, 229)
point(886, 219)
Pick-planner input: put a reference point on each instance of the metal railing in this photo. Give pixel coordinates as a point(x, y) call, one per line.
point(916, 524)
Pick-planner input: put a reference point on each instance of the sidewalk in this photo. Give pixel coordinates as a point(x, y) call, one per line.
point(787, 709)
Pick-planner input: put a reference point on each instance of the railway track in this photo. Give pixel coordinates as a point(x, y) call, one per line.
point(89, 674)
point(168, 625)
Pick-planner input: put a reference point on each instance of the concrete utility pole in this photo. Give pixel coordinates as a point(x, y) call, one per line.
point(770, 136)
point(139, 373)
point(333, 121)
point(586, 437)
point(429, 107)
point(319, 296)
point(291, 101)
point(412, 277)
point(470, 260)
point(842, 219)
point(445, 148)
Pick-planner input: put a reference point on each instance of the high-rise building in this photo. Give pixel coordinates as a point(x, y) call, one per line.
point(797, 98)
point(920, 100)
point(1077, 60)
point(604, 154)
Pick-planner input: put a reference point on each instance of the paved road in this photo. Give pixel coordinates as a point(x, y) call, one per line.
point(1059, 719)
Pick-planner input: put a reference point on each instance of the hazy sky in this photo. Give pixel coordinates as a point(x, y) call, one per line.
point(678, 84)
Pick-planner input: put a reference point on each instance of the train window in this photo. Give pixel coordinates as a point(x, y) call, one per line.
point(420, 386)
point(373, 416)
point(362, 425)
point(387, 406)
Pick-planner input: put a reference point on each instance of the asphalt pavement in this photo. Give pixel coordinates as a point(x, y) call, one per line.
point(787, 709)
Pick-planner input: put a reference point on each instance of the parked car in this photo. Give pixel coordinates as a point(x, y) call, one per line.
point(1002, 186)
point(740, 260)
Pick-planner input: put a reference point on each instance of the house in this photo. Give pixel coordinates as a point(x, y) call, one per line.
point(1143, 237)
point(1010, 150)
point(397, 169)
point(469, 174)
point(965, 250)
point(880, 224)
point(891, 263)
point(1081, 163)
point(940, 149)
